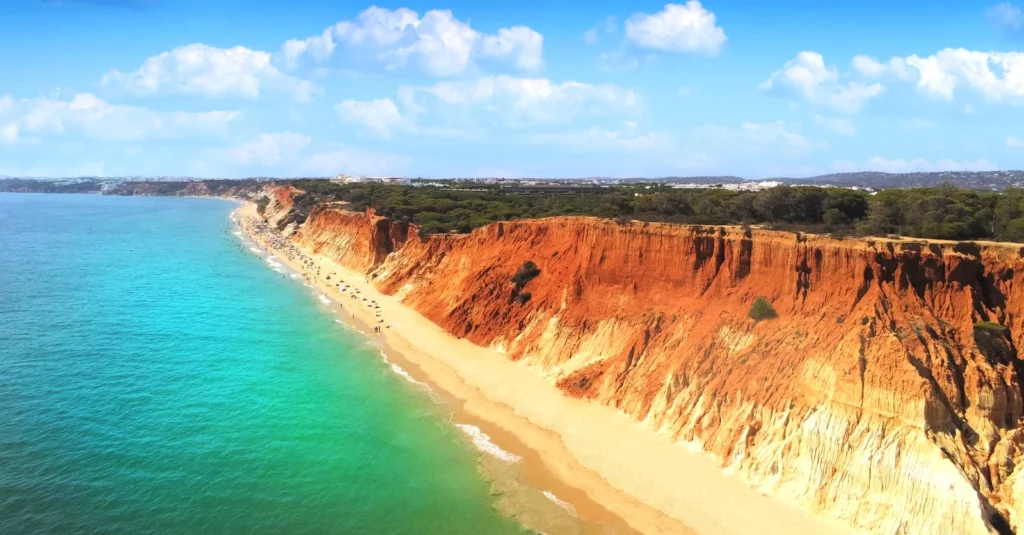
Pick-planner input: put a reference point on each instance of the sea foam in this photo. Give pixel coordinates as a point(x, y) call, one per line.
point(561, 503)
point(483, 443)
point(405, 375)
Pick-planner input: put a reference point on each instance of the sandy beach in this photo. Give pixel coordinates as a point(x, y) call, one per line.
point(609, 468)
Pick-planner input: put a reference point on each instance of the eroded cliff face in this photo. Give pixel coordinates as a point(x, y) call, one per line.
point(874, 397)
point(280, 202)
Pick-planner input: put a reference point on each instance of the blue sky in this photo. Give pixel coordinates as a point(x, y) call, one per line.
point(303, 88)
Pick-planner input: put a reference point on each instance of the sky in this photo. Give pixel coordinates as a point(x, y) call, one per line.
point(237, 88)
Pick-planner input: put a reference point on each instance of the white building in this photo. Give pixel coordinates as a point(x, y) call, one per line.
point(346, 178)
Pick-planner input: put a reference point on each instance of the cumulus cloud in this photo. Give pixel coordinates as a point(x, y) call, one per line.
point(838, 125)
point(437, 42)
point(207, 71)
point(806, 76)
point(1014, 142)
point(94, 117)
point(381, 115)
point(270, 149)
point(519, 42)
point(1006, 16)
point(998, 76)
point(677, 28)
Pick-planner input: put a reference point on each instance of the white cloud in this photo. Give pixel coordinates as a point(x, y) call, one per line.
point(850, 98)
point(872, 68)
point(838, 125)
point(381, 115)
point(677, 28)
point(805, 74)
point(590, 36)
point(916, 165)
point(202, 70)
point(684, 91)
point(468, 108)
point(968, 109)
point(521, 101)
point(94, 117)
point(520, 42)
point(270, 149)
point(1006, 16)
point(438, 43)
point(1014, 143)
point(998, 76)
point(808, 77)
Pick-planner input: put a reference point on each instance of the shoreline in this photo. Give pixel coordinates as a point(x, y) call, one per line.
point(610, 469)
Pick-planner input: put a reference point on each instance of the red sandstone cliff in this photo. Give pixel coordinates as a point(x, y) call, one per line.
point(873, 397)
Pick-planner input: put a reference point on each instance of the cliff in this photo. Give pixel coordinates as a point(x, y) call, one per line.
point(877, 396)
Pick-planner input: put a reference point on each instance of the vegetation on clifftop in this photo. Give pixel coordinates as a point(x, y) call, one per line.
point(945, 212)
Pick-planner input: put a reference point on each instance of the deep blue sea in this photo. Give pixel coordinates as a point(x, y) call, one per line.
point(158, 377)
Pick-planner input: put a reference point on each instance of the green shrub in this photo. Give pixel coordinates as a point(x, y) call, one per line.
point(526, 273)
point(761, 309)
point(990, 326)
point(261, 205)
point(523, 298)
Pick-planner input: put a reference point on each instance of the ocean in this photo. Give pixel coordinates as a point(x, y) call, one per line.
point(157, 376)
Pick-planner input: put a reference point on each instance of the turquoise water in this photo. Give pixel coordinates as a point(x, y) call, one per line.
point(155, 377)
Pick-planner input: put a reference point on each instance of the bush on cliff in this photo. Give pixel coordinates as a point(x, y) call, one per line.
point(523, 298)
point(526, 273)
point(990, 326)
point(761, 309)
point(261, 205)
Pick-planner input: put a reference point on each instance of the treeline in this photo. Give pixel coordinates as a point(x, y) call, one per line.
point(945, 212)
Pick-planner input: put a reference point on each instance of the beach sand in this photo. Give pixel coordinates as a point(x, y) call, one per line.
point(608, 467)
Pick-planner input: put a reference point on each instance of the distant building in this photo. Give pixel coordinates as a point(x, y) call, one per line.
point(346, 178)
point(738, 186)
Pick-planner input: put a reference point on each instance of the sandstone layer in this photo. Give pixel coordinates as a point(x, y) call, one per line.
point(878, 396)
